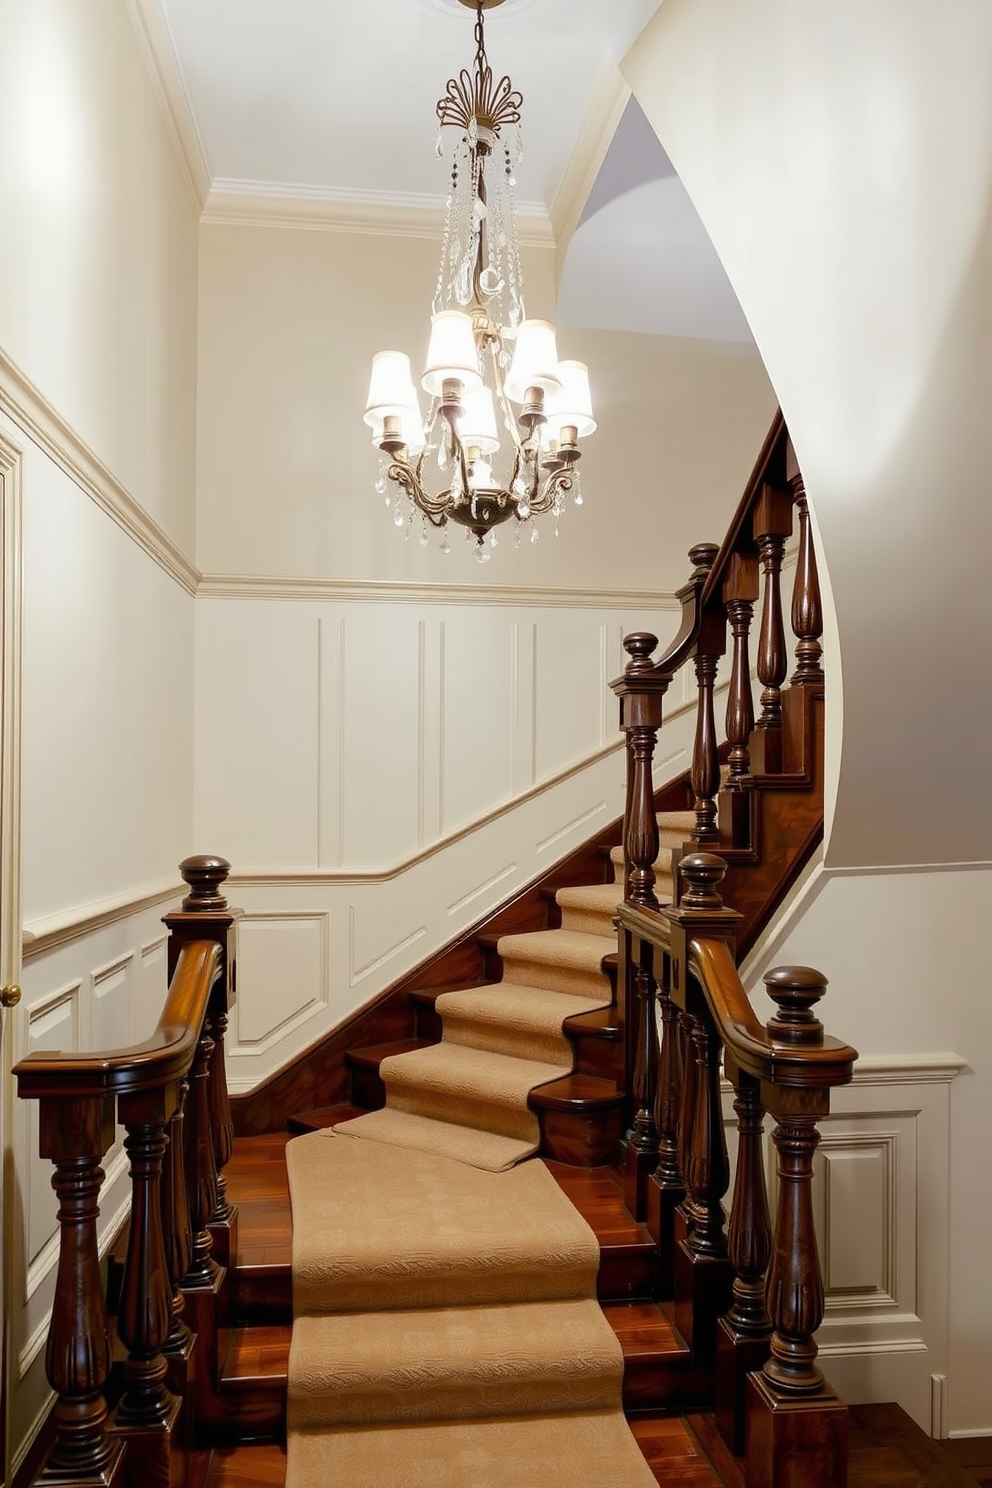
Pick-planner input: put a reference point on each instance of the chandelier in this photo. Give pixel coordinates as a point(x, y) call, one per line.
point(488, 366)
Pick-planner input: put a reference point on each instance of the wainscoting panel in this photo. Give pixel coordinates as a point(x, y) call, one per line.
point(882, 1202)
point(282, 978)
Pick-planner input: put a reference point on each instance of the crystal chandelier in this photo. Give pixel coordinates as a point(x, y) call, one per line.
point(487, 364)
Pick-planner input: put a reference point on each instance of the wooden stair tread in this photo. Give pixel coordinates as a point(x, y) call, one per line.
point(257, 1354)
point(576, 1093)
point(373, 1054)
point(321, 1118)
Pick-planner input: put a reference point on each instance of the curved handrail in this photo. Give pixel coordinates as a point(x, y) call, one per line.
point(826, 1062)
point(166, 1056)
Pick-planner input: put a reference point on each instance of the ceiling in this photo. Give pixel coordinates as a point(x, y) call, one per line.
point(332, 101)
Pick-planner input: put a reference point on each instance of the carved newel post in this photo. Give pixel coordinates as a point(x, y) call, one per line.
point(202, 1226)
point(795, 1423)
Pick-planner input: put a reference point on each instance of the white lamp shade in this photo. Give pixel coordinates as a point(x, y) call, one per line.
point(535, 360)
point(573, 405)
point(391, 390)
point(452, 353)
point(477, 421)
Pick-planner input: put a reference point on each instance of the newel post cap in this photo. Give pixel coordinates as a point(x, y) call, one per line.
point(204, 875)
point(796, 989)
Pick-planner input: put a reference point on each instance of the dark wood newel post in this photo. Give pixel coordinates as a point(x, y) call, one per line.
point(75, 1135)
point(795, 1423)
point(206, 915)
point(641, 691)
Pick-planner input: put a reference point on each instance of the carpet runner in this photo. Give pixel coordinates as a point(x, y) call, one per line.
point(446, 1330)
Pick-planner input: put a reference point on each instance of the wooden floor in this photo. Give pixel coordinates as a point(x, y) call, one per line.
point(886, 1449)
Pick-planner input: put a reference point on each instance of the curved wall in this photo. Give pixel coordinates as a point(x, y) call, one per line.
point(840, 157)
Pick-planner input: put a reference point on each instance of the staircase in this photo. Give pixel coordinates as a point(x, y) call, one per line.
point(627, 1119)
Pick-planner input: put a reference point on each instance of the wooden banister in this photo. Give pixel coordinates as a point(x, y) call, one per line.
point(747, 1303)
point(145, 1088)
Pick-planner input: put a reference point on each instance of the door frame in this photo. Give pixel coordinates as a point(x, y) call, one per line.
point(11, 458)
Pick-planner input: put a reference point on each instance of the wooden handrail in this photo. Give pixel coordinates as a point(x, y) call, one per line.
point(144, 1088)
point(166, 1056)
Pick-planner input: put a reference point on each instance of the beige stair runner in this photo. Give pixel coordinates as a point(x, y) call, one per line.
point(466, 1097)
point(446, 1332)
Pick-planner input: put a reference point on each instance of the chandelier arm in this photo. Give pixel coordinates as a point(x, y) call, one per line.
point(435, 508)
point(557, 483)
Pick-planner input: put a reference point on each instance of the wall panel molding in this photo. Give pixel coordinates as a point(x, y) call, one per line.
point(40, 936)
point(28, 407)
point(400, 591)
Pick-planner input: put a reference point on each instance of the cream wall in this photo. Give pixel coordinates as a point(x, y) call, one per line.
point(391, 741)
point(98, 264)
point(289, 321)
point(841, 159)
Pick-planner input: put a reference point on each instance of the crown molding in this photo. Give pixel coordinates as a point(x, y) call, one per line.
point(400, 214)
point(588, 153)
point(159, 54)
point(401, 591)
point(27, 406)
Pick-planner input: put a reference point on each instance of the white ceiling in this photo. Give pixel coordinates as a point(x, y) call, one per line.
point(334, 100)
point(338, 95)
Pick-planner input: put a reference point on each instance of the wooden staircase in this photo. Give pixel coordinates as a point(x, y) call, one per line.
point(633, 1135)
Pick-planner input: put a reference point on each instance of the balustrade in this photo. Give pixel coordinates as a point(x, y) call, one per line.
point(746, 1300)
point(149, 1088)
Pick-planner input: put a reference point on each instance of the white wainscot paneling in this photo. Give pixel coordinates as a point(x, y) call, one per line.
point(282, 978)
point(378, 709)
point(881, 1209)
point(147, 1003)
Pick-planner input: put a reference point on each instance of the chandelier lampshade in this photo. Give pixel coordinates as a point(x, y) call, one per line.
point(489, 371)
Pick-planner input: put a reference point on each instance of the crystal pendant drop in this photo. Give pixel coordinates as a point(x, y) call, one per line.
point(445, 543)
point(398, 518)
point(577, 488)
point(535, 533)
point(481, 554)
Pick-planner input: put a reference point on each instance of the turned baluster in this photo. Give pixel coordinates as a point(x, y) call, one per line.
point(740, 590)
point(750, 1236)
point(221, 1120)
point(795, 1287)
point(176, 1230)
point(707, 1170)
point(201, 1167)
point(687, 1106)
point(772, 527)
point(145, 1316)
point(666, 1190)
point(743, 1333)
point(705, 773)
point(642, 1144)
point(807, 610)
point(75, 1134)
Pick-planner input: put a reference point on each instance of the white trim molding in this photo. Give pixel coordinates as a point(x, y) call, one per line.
point(589, 152)
point(158, 52)
point(28, 407)
point(395, 214)
point(258, 586)
point(57, 929)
